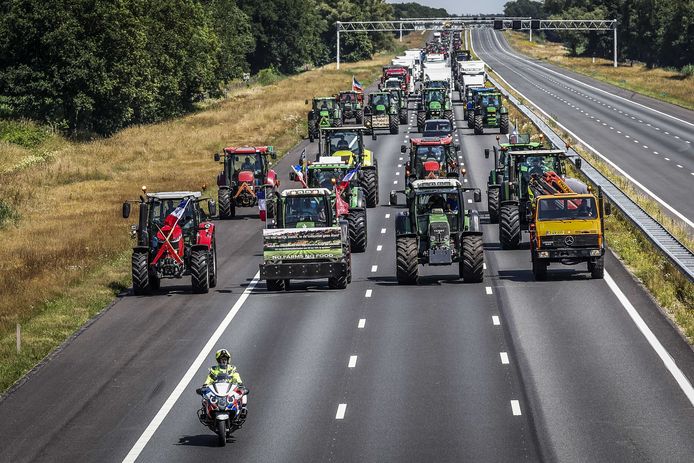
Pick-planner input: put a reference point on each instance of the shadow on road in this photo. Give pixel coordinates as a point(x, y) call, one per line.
point(202, 440)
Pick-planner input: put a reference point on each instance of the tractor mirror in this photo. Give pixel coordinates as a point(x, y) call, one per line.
point(486, 153)
point(305, 101)
point(608, 208)
point(403, 148)
point(373, 135)
point(126, 210)
point(216, 157)
point(292, 176)
point(273, 155)
point(477, 196)
point(212, 207)
point(393, 198)
point(577, 162)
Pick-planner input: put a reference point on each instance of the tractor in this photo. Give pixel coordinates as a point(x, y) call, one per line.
point(517, 142)
point(325, 112)
point(490, 112)
point(347, 143)
point(401, 103)
point(246, 179)
point(381, 112)
point(435, 104)
point(469, 103)
point(305, 241)
point(348, 201)
point(352, 106)
point(515, 200)
point(438, 230)
point(174, 238)
point(432, 157)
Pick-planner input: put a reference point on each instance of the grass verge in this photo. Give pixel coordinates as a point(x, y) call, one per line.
point(66, 247)
point(667, 85)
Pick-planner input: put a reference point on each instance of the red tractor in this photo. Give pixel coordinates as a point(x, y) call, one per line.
point(432, 157)
point(400, 72)
point(246, 179)
point(174, 238)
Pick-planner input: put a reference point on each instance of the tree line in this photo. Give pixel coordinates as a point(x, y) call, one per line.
point(658, 33)
point(96, 66)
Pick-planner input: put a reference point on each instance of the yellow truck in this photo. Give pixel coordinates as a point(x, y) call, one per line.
point(568, 228)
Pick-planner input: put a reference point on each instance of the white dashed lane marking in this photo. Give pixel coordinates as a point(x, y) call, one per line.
point(387, 216)
point(341, 409)
point(488, 290)
point(504, 357)
point(374, 268)
point(352, 361)
point(367, 293)
point(383, 231)
point(379, 248)
point(362, 323)
point(495, 320)
point(515, 408)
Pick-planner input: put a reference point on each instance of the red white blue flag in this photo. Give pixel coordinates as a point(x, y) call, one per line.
point(356, 85)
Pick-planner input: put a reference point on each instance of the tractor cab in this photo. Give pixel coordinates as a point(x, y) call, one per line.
point(352, 104)
point(435, 103)
point(351, 97)
point(489, 111)
point(305, 208)
point(380, 103)
point(431, 157)
point(382, 112)
point(325, 112)
point(392, 83)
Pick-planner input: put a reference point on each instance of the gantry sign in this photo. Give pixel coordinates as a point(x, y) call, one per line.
point(458, 24)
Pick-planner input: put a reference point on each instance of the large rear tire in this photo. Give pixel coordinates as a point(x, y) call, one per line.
point(359, 117)
point(503, 123)
point(448, 115)
point(403, 115)
point(222, 433)
point(338, 282)
point(199, 271)
point(275, 285)
point(337, 122)
point(312, 129)
point(393, 124)
point(472, 261)
point(226, 204)
point(470, 119)
point(213, 263)
point(370, 186)
point(421, 118)
point(140, 271)
point(509, 227)
point(357, 230)
point(493, 205)
point(597, 268)
point(479, 125)
point(406, 261)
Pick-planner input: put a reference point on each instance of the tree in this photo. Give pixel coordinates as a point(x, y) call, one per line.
point(524, 8)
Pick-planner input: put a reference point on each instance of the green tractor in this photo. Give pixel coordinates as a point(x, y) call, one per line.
point(347, 143)
point(490, 112)
point(325, 112)
point(381, 112)
point(438, 230)
point(347, 196)
point(352, 105)
point(517, 142)
point(435, 104)
point(401, 103)
point(515, 202)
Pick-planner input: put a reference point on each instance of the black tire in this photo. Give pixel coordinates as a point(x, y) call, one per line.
point(270, 206)
point(359, 117)
point(403, 115)
point(470, 119)
point(540, 269)
point(503, 123)
point(479, 125)
point(338, 282)
point(199, 271)
point(493, 205)
point(140, 271)
point(448, 115)
point(154, 282)
point(275, 285)
point(213, 263)
point(472, 261)
point(370, 186)
point(393, 124)
point(222, 433)
point(357, 230)
point(421, 118)
point(226, 205)
point(509, 227)
point(406, 261)
point(312, 129)
point(597, 268)
point(337, 122)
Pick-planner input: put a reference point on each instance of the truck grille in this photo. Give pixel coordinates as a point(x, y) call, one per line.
point(569, 241)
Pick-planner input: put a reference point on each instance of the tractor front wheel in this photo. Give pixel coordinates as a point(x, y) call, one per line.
point(337, 122)
point(509, 227)
point(357, 230)
point(338, 282)
point(448, 115)
point(503, 123)
point(370, 185)
point(493, 205)
point(199, 271)
point(227, 208)
point(479, 125)
point(472, 259)
point(359, 116)
point(406, 261)
point(140, 271)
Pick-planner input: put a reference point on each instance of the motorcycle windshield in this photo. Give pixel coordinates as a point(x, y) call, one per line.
point(222, 388)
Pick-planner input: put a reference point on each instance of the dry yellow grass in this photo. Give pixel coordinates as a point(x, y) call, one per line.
point(67, 254)
point(659, 83)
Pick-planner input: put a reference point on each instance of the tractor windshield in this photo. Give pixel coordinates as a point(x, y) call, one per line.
point(325, 105)
point(519, 139)
point(344, 141)
point(379, 99)
point(392, 83)
point(437, 203)
point(251, 162)
point(567, 209)
point(323, 178)
point(347, 98)
point(539, 165)
point(490, 100)
point(305, 211)
point(434, 95)
point(160, 209)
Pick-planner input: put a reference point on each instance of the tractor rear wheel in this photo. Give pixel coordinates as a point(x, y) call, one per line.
point(140, 270)
point(403, 115)
point(357, 230)
point(503, 123)
point(509, 227)
point(470, 119)
point(338, 282)
point(472, 259)
point(213, 263)
point(337, 122)
point(275, 285)
point(406, 260)
point(270, 208)
point(393, 124)
point(359, 116)
point(597, 268)
point(199, 271)
point(479, 125)
point(421, 117)
point(448, 115)
point(312, 130)
point(226, 205)
point(493, 205)
point(539, 269)
point(370, 186)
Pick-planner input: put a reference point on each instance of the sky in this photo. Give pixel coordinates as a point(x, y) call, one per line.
point(462, 6)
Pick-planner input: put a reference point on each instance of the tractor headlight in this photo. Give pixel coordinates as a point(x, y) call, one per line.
point(543, 254)
point(595, 253)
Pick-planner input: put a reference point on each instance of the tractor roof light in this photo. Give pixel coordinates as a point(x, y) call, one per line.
point(144, 189)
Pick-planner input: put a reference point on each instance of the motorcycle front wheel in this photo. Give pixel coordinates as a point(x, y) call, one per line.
point(222, 432)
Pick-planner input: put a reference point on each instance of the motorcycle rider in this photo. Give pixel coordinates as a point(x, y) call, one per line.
point(223, 367)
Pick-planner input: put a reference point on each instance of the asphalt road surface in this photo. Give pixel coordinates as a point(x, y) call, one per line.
point(506, 370)
point(649, 140)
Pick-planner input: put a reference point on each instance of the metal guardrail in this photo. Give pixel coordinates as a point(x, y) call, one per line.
point(680, 256)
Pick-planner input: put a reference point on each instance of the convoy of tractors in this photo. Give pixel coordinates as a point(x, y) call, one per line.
point(313, 227)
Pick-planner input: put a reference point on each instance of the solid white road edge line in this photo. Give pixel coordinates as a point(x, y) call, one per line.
point(674, 370)
point(619, 169)
point(341, 409)
point(188, 376)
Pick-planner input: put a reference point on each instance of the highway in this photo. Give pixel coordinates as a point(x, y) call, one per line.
point(506, 370)
point(648, 141)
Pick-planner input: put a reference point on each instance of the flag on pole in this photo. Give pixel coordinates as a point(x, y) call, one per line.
point(299, 175)
point(178, 212)
point(356, 85)
point(262, 205)
point(348, 177)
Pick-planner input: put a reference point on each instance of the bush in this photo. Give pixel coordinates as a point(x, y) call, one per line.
point(687, 71)
point(22, 133)
point(7, 215)
point(268, 76)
